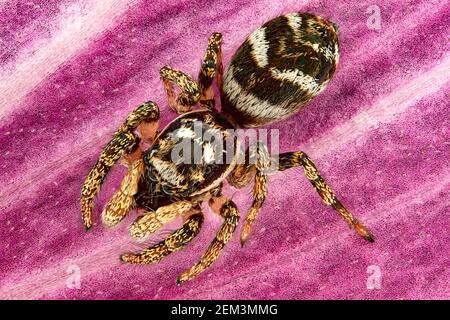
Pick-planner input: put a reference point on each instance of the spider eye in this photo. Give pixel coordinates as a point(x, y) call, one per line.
point(335, 27)
point(167, 190)
point(151, 175)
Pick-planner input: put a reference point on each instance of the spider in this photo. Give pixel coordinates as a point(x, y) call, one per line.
point(276, 71)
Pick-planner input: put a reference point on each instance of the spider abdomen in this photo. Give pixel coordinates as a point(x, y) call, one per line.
point(279, 68)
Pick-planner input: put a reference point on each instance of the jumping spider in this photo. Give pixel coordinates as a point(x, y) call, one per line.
point(275, 72)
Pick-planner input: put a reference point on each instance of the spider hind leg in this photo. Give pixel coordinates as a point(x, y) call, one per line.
point(295, 159)
point(262, 166)
point(256, 166)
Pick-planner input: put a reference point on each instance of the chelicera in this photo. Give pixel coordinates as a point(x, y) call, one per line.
point(278, 69)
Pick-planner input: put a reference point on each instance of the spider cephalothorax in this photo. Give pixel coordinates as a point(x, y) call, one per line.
point(277, 70)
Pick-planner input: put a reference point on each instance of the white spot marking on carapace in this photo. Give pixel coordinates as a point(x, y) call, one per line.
point(167, 170)
point(185, 133)
point(208, 153)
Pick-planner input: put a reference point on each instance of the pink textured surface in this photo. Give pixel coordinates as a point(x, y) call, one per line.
point(70, 71)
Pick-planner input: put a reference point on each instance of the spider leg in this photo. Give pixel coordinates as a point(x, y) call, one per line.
point(121, 202)
point(230, 213)
point(241, 175)
point(113, 151)
point(295, 159)
point(177, 240)
point(125, 143)
point(211, 68)
point(262, 158)
point(151, 221)
point(190, 93)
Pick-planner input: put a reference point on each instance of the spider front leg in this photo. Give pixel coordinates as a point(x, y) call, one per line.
point(211, 68)
point(174, 242)
point(113, 151)
point(230, 213)
point(125, 143)
point(122, 201)
point(295, 159)
point(189, 95)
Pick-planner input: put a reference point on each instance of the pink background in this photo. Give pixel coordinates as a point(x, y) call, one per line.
point(70, 71)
